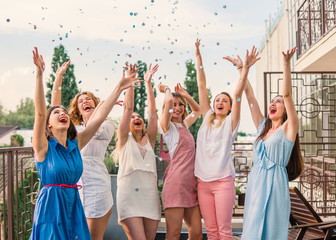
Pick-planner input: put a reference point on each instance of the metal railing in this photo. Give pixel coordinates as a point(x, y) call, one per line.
point(315, 19)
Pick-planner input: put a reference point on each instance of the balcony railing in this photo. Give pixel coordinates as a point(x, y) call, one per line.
point(315, 19)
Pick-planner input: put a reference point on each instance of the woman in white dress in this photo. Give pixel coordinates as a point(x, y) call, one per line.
point(138, 202)
point(96, 193)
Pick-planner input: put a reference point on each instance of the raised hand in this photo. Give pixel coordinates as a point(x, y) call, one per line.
point(61, 70)
point(150, 72)
point(251, 58)
point(180, 90)
point(235, 61)
point(288, 55)
point(162, 87)
point(129, 81)
point(38, 60)
point(130, 69)
point(197, 44)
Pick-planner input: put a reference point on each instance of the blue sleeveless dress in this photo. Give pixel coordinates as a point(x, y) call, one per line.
point(59, 212)
point(267, 203)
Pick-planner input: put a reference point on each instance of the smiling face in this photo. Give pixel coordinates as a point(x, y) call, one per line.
point(86, 105)
point(222, 104)
point(178, 110)
point(276, 108)
point(59, 119)
point(137, 124)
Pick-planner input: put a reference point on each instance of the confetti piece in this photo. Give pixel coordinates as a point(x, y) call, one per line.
point(200, 67)
point(171, 110)
point(137, 189)
point(133, 26)
point(228, 83)
point(238, 100)
point(116, 165)
point(97, 90)
point(143, 24)
point(231, 25)
point(171, 52)
point(66, 35)
point(215, 63)
point(251, 105)
point(60, 38)
point(224, 6)
point(218, 43)
point(192, 115)
point(79, 82)
point(35, 27)
point(135, 14)
point(215, 13)
point(131, 13)
point(121, 40)
point(7, 20)
point(130, 134)
point(151, 116)
point(160, 159)
point(60, 88)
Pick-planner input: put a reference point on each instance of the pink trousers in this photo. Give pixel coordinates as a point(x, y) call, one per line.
point(216, 201)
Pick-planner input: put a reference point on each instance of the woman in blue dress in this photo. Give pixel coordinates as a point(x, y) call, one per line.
point(58, 212)
point(276, 160)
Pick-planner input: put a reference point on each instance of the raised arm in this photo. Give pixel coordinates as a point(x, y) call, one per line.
point(291, 126)
point(152, 116)
point(250, 59)
point(252, 101)
point(40, 142)
point(56, 94)
point(105, 108)
point(201, 82)
point(195, 108)
point(124, 126)
point(169, 105)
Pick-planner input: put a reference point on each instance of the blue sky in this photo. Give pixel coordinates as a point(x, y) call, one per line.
point(100, 36)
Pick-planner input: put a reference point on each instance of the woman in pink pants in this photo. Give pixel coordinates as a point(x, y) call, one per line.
point(214, 167)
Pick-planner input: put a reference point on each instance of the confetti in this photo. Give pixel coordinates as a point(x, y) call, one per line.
point(171, 110)
point(218, 43)
point(135, 14)
point(224, 6)
point(116, 165)
point(7, 20)
point(60, 88)
point(215, 63)
point(238, 100)
point(97, 90)
point(192, 115)
point(66, 35)
point(79, 82)
point(35, 27)
point(130, 134)
point(137, 189)
point(131, 13)
point(121, 40)
point(228, 83)
point(151, 116)
point(133, 26)
point(251, 105)
point(215, 13)
point(200, 67)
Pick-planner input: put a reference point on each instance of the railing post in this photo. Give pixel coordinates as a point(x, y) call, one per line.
point(10, 192)
point(323, 17)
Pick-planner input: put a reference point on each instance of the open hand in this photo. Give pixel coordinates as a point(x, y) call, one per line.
point(38, 60)
point(180, 90)
point(235, 61)
point(130, 69)
point(287, 56)
point(251, 58)
point(197, 44)
point(61, 70)
point(129, 81)
point(150, 72)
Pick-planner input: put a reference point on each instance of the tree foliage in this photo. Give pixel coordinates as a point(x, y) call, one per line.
point(23, 116)
point(190, 83)
point(69, 85)
point(140, 95)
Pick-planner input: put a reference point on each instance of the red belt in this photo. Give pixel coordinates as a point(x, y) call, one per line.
point(64, 186)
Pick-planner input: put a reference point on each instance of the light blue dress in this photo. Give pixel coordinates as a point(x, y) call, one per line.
point(267, 203)
point(59, 213)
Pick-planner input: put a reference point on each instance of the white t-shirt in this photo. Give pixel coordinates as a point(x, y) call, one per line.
point(213, 150)
point(172, 137)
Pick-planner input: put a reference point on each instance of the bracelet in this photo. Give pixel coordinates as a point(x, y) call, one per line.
point(166, 89)
point(240, 67)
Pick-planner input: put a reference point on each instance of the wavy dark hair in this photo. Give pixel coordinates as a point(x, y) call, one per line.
point(71, 133)
point(295, 164)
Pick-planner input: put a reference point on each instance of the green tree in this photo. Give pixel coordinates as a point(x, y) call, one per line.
point(140, 95)
point(23, 116)
point(69, 85)
point(2, 116)
point(190, 83)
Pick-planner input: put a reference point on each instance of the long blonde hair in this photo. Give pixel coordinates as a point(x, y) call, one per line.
point(74, 113)
point(182, 99)
point(212, 117)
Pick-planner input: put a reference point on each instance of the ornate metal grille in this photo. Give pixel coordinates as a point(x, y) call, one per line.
point(314, 96)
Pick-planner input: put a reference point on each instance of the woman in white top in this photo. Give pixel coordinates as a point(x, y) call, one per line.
point(214, 167)
point(96, 193)
point(138, 202)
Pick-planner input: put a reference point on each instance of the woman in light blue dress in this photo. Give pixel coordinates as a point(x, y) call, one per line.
point(58, 212)
point(276, 160)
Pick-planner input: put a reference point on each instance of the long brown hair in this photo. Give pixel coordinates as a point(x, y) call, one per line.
point(75, 115)
point(212, 117)
point(71, 132)
point(295, 164)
